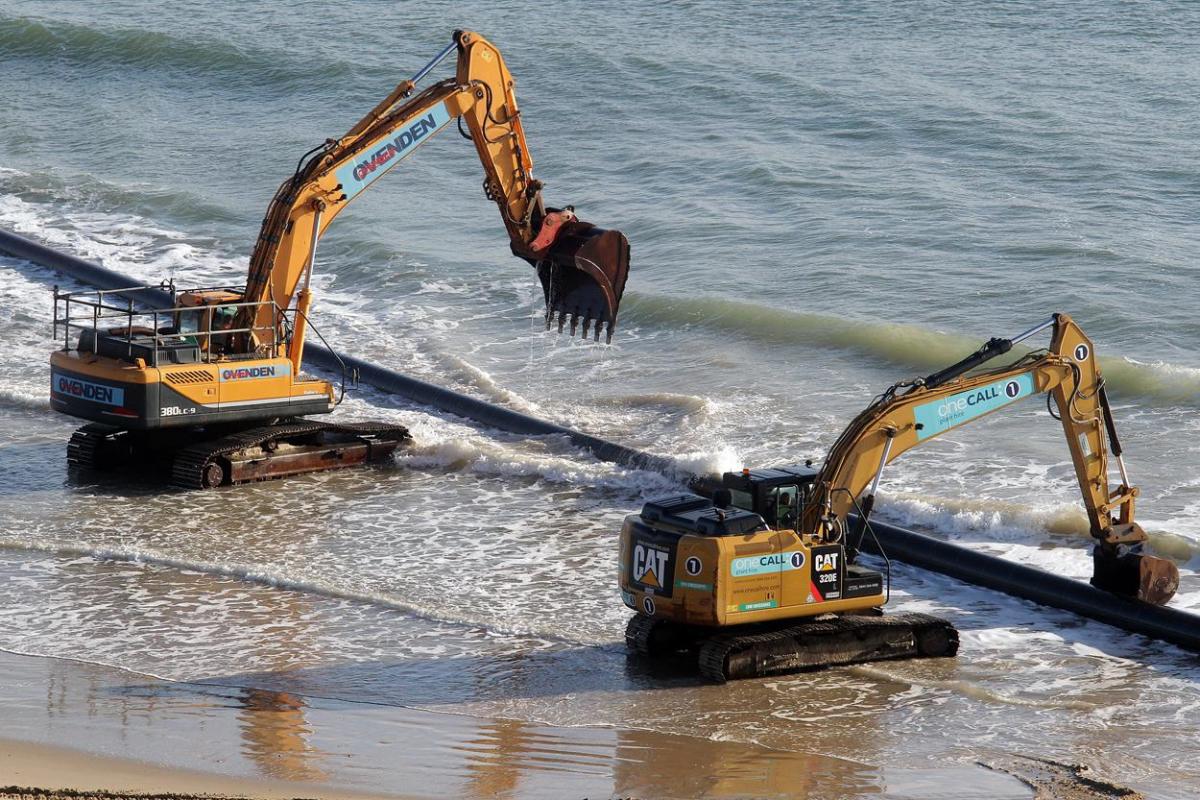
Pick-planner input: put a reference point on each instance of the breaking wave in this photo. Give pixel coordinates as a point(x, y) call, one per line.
point(159, 53)
point(476, 378)
point(895, 343)
point(484, 456)
point(25, 399)
point(260, 577)
point(1007, 521)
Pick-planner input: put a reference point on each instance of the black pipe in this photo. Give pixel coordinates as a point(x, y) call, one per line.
point(1030, 583)
point(926, 552)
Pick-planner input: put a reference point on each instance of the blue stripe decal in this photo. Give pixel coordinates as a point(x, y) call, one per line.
point(381, 155)
point(949, 412)
point(86, 390)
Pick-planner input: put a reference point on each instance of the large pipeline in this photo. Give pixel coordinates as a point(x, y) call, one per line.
point(919, 550)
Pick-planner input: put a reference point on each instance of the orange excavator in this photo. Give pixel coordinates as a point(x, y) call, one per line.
point(212, 389)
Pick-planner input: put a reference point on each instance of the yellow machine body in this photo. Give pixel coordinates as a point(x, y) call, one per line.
point(225, 363)
point(176, 368)
point(672, 571)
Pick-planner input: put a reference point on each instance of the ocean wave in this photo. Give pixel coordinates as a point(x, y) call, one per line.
point(895, 343)
point(476, 378)
point(483, 456)
point(709, 462)
point(264, 577)
point(87, 192)
point(668, 401)
point(22, 37)
point(1008, 521)
point(123, 242)
point(25, 399)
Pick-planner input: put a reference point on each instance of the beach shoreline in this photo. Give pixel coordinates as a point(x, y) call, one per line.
point(83, 730)
point(29, 770)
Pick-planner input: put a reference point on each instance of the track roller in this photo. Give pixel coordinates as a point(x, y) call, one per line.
point(849, 639)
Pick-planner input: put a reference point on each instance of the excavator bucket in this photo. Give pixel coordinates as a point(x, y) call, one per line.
point(1134, 574)
point(583, 277)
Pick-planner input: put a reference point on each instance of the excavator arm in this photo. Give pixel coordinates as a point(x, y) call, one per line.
point(582, 268)
point(909, 414)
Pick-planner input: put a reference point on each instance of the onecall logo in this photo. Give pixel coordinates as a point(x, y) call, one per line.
point(1082, 352)
point(1012, 388)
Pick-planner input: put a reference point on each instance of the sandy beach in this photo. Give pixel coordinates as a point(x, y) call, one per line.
point(63, 772)
point(83, 728)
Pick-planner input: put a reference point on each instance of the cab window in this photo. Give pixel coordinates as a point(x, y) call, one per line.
point(223, 317)
point(189, 321)
point(783, 505)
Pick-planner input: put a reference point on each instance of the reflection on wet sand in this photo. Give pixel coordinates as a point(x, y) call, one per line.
point(275, 736)
point(274, 731)
point(284, 735)
point(495, 758)
point(642, 767)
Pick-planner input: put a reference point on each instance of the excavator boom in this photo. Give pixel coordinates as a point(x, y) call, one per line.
point(911, 413)
point(582, 268)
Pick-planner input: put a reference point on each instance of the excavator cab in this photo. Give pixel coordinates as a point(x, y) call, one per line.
point(202, 314)
point(776, 494)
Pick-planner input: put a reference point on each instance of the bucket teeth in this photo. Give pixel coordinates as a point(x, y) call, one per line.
point(574, 323)
point(587, 323)
point(608, 335)
point(583, 273)
point(549, 317)
point(562, 320)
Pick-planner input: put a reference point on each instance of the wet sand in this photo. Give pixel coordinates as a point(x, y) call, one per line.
point(72, 773)
point(77, 726)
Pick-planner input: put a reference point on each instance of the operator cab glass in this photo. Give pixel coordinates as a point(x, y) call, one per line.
point(783, 505)
point(189, 321)
point(223, 317)
point(777, 494)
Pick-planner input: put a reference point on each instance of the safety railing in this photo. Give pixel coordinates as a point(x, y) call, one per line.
point(153, 334)
point(156, 332)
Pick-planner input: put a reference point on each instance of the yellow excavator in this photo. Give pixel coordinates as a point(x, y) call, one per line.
point(212, 388)
point(757, 575)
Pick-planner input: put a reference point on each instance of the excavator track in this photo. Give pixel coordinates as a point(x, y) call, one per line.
point(849, 639)
point(825, 642)
point(643, 635)
point(87, 444)
point(288, 448)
